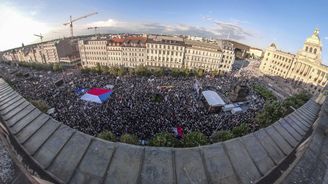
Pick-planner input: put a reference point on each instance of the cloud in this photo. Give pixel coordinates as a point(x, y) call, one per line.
point(217, 29)
point(17, 28)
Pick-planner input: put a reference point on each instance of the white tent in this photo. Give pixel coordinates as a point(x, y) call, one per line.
point(236, 110)
point(213, 99)
point(228, 107)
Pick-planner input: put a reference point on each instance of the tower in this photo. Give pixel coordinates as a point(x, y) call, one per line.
point(312, 48)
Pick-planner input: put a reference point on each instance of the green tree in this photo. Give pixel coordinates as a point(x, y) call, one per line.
point(129, 138)
point(240, 130)
point(200, 72)
point(122, 71)
point(56, 67)
point(264, 92)
point(159, 72)
point(41, 105)
point(221, 135)
point(104, 69)
point(194, 139)
point(98, 68)
point(131, 71)
point(107, 135)
point(142, 71)
point(215, 73)
point(163, 139)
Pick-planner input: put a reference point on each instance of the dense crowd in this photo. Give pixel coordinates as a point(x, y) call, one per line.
point(132, 107)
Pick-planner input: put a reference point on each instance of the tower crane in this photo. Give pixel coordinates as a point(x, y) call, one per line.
point(70, 23)
point(95, 28)
point(40, 36)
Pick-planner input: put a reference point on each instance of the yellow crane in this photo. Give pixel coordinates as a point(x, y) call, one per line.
point(70, 23)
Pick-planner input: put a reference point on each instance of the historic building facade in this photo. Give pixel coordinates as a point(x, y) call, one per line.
point(164, 51)
point(134, 51)
point(131, 51)
point(228, 55)
point(304, 69)
point(48, 52)
point(203, 55)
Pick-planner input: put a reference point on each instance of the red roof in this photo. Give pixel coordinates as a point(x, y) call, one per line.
point(119, 40)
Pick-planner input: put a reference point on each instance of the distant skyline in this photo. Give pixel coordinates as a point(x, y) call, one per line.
point(254, 22)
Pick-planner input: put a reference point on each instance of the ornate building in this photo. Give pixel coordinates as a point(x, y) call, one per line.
point(165, 51)
point(203, 55)
point(304, 69)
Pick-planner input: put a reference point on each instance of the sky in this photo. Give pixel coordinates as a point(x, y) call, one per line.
point(257, 23)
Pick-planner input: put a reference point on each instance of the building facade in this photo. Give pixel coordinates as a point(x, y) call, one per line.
point(134, 51)
point(164, 51)
point(305, 68)
point(228, 55)
point(204, 56)
point(131, 51)
point(48, 52)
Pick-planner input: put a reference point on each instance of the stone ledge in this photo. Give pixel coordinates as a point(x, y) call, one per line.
point(311, 164)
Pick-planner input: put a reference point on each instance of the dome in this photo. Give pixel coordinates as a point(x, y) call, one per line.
point(273, 45)
point(314, 38)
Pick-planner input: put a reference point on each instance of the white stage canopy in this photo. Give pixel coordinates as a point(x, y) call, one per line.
point(213, 99)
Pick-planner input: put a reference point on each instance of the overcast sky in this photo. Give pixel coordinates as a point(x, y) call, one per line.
point(257, 23)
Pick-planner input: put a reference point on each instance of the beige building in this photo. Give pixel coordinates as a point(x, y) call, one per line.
point(165, 51)
point(203, 55)
point(228, 55)
point(114, 52)
point(255, 53)
point(305, 68)
point(93, 52)
point(134, 51)
point(276, 62)
point(48, 52)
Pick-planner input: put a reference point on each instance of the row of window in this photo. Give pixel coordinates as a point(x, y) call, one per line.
point(311, 50)
point(164, 46)
point(164, 52)
point(203, 53)
point(282, 58)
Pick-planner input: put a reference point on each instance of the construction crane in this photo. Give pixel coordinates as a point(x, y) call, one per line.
point(40, 36)
point(95, 28)
point(70, 23)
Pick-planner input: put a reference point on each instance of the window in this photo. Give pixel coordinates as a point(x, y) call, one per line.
point(306, 48)
point(315, 51)
point(311, 49)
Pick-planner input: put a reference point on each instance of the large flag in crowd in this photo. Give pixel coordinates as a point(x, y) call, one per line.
point(97, 95)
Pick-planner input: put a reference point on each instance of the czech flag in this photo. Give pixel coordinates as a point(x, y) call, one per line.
point(97, 95)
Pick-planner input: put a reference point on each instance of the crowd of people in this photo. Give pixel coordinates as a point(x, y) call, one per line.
point(132, 107)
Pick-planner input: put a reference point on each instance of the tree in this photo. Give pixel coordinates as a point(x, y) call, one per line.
point(107, 135)
point(129, 138)
point(194, 139)
point(221, 135)
point(85, 70)
point(159, 72)
point(41, 105)
point(200, 72)
point(98, 68)
point(163, 139)
point(142, 71)
point(131, 71)
point(264, 92)
point(122, 71)
point(56, 67)
point(215, 73)
point(240, 130)
point(104, 69)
